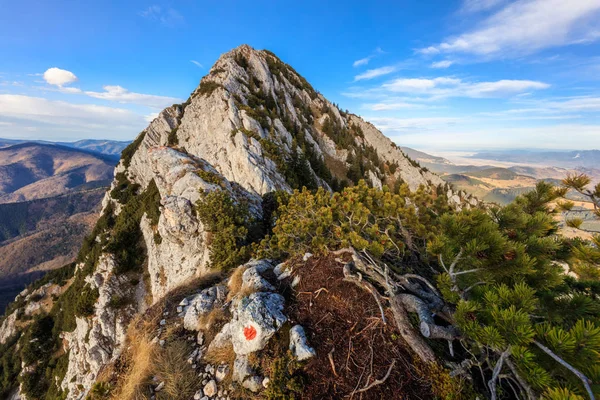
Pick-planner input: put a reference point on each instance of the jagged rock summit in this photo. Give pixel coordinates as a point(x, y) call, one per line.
point(253, 126)
point(252, 112)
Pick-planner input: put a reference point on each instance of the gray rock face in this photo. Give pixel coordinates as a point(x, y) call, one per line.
point(252, 279)
point(202, 304)
point(8, 327)
point(98, 340)
point(215, 141)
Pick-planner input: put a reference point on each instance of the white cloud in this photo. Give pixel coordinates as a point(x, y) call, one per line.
point(365, 61)
point(374, 73)
point(167, 17)
point(122, 95)
point(362, 61)
point(196, 63)
point(527, 26)
point(150, 117)
point(392, 124)
point(453, 87)
point(389, 106)
point(59, 77)
point(473, 6)
point(463, 137)
point(442, 64)
point(64, 120)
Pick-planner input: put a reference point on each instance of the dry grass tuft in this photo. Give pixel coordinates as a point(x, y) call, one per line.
point(212, 322)
point(171, 367)
point(235, 282)
point(139, 357)
point(218, 355)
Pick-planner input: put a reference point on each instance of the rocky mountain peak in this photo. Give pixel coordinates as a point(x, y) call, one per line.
point(190, 190)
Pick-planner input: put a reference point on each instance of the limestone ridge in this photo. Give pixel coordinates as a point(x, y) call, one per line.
point(247, 113)
point(252, 126)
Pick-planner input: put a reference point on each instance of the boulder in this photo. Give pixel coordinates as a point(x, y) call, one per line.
point(256, 319)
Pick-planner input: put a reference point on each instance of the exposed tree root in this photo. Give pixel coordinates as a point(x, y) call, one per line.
point(422, 299)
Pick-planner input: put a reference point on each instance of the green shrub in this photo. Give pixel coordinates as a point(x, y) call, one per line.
point(208, 87)
point(227, 222)
point(210, 177)
point(123, 190)
point(130, 150)
point(86, 301)
point(172, 139)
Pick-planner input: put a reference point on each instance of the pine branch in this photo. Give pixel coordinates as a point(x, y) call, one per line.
point(580, 375)
point(524, 385)
point(497, 369)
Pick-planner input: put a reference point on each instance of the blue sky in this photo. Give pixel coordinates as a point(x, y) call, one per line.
point(445, 75)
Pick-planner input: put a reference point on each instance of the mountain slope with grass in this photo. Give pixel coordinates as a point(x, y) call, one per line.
point(31, 171)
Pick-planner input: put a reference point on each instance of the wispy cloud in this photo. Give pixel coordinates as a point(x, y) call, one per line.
point(443, 87)
point(442, 64)
point(526, 26)
point(374, 73)
point(122, 95)
point(473, 6)
point(165, 16)
point(196, 63)
point(365, 60)
point(391, 124)
point(25, 114)
point(391, 106)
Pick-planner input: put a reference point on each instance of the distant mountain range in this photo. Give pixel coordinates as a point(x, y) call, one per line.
point(501, 182)
point(40, 235)
point(33, 170)
point(564, 159)
point(108, 147)
point(49, 198)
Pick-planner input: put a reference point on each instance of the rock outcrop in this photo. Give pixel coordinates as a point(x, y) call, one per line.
point(253, 126)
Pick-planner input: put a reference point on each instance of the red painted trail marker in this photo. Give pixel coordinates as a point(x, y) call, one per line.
point(249, 332)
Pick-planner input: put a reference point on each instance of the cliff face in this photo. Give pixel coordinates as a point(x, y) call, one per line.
point(253, 126)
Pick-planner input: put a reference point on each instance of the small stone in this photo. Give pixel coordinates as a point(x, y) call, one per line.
point(179, 309)
point(159, 387)
point(163, 322)
point(210, 389)
point(241, 368)
point(279, 269)
point(184, 302)
point(200, 338)
point(299, 344)
point(161, 342)
point(307, 256)
point(204, 382)
point(253, 383)
point(194, 366)
point(222, 372)
point(296, 281)
point(266, 382)
point(166, 313)
point(198, 395)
